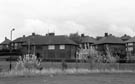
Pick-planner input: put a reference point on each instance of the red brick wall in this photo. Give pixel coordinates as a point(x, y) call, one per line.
point(68, 52)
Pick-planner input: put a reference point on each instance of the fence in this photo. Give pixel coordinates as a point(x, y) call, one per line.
point(100, 66)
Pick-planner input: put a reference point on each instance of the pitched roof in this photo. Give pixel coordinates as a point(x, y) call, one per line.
point(20, 39)
point(110, 40)
point(5, 42)
point(25, 39)
point(45, 40)
point(131, 40)
point(87, 39)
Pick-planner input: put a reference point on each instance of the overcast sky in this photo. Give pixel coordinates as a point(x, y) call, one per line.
point(92, 17)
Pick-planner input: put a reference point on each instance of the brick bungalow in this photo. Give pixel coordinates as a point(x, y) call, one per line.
point(50, 46)
point(115, 45)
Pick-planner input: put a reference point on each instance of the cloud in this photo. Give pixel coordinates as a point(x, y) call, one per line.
point(121, 30)
point(68, 27)
point(43, 27)
point(92, 17)
point(36, 25)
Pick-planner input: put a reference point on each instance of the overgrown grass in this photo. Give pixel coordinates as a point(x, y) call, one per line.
point(93, 78)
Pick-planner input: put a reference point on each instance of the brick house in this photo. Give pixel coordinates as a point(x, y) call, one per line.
point(85, 45)
point(114, 44)
point(5, 44)
point(5, 49)
point(50, 46)
point(86, 42)
point(125, 37)
point(130, 48)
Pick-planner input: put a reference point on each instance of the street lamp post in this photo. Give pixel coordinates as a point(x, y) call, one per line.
point(10, 66)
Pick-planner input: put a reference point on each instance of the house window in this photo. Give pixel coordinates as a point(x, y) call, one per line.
point(83, 46)
point(7, 46)
point(62, 47)
point(126, 49)
point(96, 47)
point(39, 47)
point(51, 47)
point(80, 45)
point(130, 48)
point(130, 44)
point(16, 45)
point(1, 47)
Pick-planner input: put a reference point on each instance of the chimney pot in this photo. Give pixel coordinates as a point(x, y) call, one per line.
point(50, 34)
point(33, 34)
point(110, 34)
point(23, 36)
point(5, 38)
point(82, 35)
point(106, 34)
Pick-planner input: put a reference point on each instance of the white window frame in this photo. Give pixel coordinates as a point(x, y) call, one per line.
point(62, 47)
point(130, 48)
point(126, 49)
point(130, 44)
point(51, 47)
point(16, 45)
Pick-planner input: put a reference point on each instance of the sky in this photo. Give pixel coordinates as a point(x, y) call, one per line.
point(91, 17)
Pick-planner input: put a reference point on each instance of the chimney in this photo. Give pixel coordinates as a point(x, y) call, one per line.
point(106, 34)
point(33, 34)
point(50, 34)
point(23, 36)
point(5, 38)
point(82, 35)
point(110, 34)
